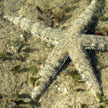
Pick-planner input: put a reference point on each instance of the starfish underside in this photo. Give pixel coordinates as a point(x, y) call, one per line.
point(72, 43)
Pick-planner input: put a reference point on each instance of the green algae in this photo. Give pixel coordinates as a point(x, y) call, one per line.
point(3, 56)
point(18, 69)
point(33, 69)
point(32, 81)
point(84, 106)
point(99, 96)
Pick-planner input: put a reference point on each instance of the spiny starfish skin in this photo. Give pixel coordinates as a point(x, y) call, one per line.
point(71, 44)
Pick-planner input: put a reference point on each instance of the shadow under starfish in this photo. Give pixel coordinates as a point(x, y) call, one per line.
point(72, 43)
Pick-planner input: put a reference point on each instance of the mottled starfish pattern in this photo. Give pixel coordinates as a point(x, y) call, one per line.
point(72, 43)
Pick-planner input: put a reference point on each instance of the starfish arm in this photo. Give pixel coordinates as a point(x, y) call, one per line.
point(84, 19)
point(52, 65)
point(42, 32)
point(94, 42)
point(83, 66)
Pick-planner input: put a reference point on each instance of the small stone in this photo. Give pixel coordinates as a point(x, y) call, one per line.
point(26, 100)
point(11, 104)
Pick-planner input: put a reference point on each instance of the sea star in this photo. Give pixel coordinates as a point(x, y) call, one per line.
point(72, 44)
